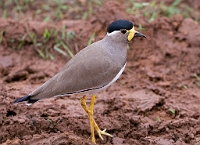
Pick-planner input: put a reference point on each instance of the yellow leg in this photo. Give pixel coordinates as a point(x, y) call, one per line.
point(93, 123)
point(90, 114)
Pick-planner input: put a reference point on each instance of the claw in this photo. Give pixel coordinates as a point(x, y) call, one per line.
point(100, 133)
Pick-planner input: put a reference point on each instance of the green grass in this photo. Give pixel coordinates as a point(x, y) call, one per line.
point(140, 27)
point(50, 11)
point(185, 86)
point(1, 35)
point(152, 10)
point(91, 39)
point(50, 122)
point(53, 11)
point(52, 39)
point(172, 111)
point(60, 42)
point(197, 81)
point(56, 10)
point(158, 119)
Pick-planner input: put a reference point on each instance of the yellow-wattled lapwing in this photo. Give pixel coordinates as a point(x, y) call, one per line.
point(91, 70)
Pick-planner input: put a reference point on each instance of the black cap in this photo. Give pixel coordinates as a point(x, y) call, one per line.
point(119, 24)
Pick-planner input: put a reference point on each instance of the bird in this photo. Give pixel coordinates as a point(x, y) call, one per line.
point(91, 70)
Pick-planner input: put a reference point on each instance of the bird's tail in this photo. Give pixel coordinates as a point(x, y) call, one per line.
point(25, 98)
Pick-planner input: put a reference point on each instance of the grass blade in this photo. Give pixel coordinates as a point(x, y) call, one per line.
point(91, 39)
point(41, 53)
point(67, 48)
point(56, 48)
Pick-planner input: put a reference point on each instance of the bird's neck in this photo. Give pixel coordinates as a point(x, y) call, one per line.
point(118, 41)
point(116, 49)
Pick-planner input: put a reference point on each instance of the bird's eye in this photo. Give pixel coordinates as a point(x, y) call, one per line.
point(123, 31)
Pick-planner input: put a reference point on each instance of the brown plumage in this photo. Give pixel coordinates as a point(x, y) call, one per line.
point(92, 69)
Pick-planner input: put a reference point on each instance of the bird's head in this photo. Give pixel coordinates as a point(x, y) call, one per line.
point(123, 30)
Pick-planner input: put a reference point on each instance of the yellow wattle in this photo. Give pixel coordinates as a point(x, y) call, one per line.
point(131, 34)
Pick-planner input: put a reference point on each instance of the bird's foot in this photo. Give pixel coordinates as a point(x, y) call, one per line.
point(103, 132)
point(93, 124)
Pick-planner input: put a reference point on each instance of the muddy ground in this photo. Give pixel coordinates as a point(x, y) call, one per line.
point(156, 100)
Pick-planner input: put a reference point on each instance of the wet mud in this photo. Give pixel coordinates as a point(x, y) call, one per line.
point(155, 101)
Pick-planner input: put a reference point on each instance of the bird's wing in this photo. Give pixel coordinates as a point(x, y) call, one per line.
point(92, 68)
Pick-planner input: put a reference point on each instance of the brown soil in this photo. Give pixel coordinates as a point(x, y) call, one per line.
point(136, 109)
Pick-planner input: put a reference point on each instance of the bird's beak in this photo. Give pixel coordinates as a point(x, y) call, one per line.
point(133, 33)
point(138, 34)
